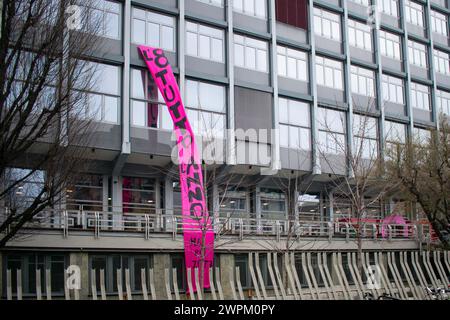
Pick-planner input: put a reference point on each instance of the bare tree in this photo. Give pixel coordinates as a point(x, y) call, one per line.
point(359, 178)
point(45, 121)
point(421, 167)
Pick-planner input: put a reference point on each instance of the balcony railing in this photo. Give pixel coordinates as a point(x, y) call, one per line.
point(162, 221)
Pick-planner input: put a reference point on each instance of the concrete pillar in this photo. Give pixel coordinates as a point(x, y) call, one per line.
point(81, 259)
point(161, 261)
point(226, 265)
point(117, 200)
point(168, 196)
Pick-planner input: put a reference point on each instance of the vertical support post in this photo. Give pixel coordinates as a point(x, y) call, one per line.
point(167, 282)
point(48, 282)
point(39, 285)
point(152, 284)
point(219, 285)
point(127, 284)
point(144, 285)
point(175, 284)
point(239, 285)
point(102, 284)
point(19, 284)
point(93, 285)
point(119, 284)
point(252, 274)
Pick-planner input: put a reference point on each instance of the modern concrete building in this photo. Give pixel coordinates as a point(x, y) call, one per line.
point(244, 64)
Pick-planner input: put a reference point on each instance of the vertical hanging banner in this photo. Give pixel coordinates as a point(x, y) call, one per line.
point(198, 233)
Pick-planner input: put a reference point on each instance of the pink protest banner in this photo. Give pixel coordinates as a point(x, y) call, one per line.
point(197, 228)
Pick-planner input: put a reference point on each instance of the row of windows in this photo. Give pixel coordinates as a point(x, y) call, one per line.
point(103, 103)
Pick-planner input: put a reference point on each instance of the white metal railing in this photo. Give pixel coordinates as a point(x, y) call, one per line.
point(147, 223)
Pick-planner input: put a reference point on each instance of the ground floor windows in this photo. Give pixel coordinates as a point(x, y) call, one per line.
point(111, 264)
point(28, 265)
point(138, 195)
point(86, 193)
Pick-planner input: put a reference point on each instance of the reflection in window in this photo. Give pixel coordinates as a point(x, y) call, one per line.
point(110, 264)
point(153, 29)
point(250, 53)
point(295, 127)
point(148, 108)
point(332, 126)
point(365, 131)
point(138, 195)
point(102, 102)
point(329, 73)
point(204, 42)
point(86, 193)
point(28, 264)
point(206, 108)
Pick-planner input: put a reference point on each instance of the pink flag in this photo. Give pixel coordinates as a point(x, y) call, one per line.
point(197, 228)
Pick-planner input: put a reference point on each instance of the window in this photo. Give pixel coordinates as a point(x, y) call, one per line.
point(443, 101)
point(86, 193)
point(206, 107)
point(272, 202)
point(414, 13)
point(332, 126)
point(102, 103)
point(295, 124)
point(204, 42)
point(105, 17)
point(241, 261)
point(421, 135)
point(365, 133)
point(360, 35)
point(389, 7)
point(417, 54)
point(250, 53)
point(28, 264)
point(24, 192)
point(111, 263)
point(329, 72)
point(256, 8)
point(233, 200)
point(153, 29)
point(420, 96)
point(439, 23)
point(393, 89)
point(363, 81)
point(390, 45)
point(148, 108)
point(292, 63)
point(441, 62)
point(327, 24)
point(138, 195)
point(395, 133)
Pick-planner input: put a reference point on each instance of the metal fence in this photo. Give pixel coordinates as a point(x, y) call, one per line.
point(97, 222)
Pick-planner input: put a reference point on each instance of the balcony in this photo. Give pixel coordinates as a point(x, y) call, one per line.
point(164, 224)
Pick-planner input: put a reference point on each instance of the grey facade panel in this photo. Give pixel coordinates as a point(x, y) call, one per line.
point(362, 55)
point(443, 79)
point(390, 20)
point(418, 72)
point(394, 109)
point(107, 136)
point(247, 22)
point(392, 64)
point(198, 65)
point(333, 164)
point(205, 9)
point(173, 4)
point(441, 39)
point(330, 95)
point(292, 33)
point(296, 86)
point(151, 141)
point(295, 159)
point(422, 115)
point(329, 45)
point(364, 103)
point(416, 30)
point(253, 109)
point(251, 76)
point(357, 8)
